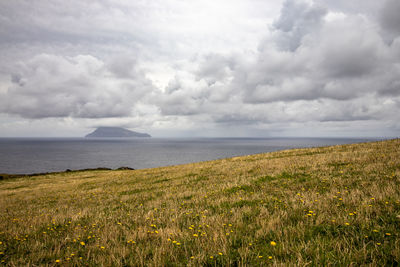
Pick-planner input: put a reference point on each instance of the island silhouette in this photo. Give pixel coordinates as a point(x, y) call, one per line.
point(104, 132)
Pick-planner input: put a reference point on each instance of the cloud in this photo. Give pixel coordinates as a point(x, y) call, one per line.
point(81, 86)
point(297, 19)
point(341, 59)
point(225, 65)
point(390, 19)
point(310, 69)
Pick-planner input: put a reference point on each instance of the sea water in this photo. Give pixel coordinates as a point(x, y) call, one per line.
point(36, 155)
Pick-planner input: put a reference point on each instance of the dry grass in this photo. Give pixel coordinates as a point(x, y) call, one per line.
point(321, 206)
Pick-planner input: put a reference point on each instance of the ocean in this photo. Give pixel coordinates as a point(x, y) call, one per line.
point(37, 155)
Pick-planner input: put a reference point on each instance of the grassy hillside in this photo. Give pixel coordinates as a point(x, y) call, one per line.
point(333, 205)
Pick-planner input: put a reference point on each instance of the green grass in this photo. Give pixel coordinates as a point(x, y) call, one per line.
point(321, 206)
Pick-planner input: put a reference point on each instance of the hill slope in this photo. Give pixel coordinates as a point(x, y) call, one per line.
point(333, 205)
point(115, 132)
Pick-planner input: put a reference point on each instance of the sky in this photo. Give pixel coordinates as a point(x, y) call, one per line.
point(191, 68)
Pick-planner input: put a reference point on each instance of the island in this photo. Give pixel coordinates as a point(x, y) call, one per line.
point(114, 132)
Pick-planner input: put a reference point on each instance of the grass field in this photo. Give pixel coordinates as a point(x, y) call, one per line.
point(321, 206)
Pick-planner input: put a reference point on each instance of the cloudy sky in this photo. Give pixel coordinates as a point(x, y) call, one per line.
point(200, 67)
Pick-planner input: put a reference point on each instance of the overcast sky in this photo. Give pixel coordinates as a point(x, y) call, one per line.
point(200, 67)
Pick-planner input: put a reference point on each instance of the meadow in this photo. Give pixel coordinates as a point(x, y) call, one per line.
point(336, 205)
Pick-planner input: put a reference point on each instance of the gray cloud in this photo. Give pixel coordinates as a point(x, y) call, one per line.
point(215, 68)
point(81, 86)
point(390, 18)
point(173, 65)
point(297, 19)
point(320, 70)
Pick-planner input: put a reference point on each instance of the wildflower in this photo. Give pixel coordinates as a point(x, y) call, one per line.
point(57, 261)
point(102, 247)
point(376, 231)
point(378, 244)
point(211, 257)
point(388, 234)
point(260, 257)
point(220, 253)
point(347, 223)
point(82, 243)
point(270, 257)
point(273, 243)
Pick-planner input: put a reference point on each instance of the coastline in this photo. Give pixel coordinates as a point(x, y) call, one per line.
point(5, 176)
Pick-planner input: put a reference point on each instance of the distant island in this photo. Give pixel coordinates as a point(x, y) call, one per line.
point(115, 132)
